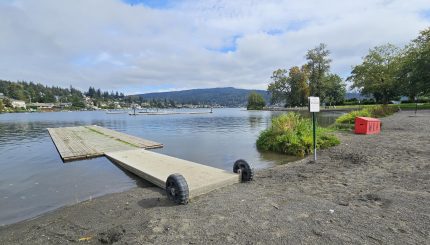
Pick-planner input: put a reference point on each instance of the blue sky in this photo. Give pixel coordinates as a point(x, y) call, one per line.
point(144, 46)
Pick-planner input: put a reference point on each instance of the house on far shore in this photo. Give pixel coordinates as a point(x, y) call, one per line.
point(64, 105)
point(18, 104)
point(2, 96)
point(43, 106)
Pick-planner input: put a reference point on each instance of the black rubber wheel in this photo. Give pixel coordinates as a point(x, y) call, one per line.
point(177, 189)
point(246, 171)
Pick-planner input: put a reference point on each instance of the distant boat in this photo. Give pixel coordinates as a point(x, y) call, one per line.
point(116, 112)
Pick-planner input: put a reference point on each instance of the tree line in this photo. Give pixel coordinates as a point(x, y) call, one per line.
point(293, 86)
point(388, 71)
point(36, 92)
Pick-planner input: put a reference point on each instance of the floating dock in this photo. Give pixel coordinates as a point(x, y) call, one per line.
point(75, 143)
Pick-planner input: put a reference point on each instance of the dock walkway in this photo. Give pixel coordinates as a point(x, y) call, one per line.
point(77, 143)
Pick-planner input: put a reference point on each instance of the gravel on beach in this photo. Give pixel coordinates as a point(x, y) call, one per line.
point(371, 189)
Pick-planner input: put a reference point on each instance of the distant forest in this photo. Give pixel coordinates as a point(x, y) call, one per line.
point(229, 97)
point(36, 92)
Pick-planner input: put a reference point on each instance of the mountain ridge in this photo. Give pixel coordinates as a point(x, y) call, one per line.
point(223, 96)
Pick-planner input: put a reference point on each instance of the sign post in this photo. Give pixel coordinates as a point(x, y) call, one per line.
point(314, 106)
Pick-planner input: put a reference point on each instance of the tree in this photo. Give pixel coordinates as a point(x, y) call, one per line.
point(414, 72)
point(77, 101)
point(7, 102)
point(91, 92)
point(1, 106)
point(297, 80)
point(279, 88)
point(318, 66)
point(377, 75)
point(335, 89)
point(255, 101)
point(291, 88)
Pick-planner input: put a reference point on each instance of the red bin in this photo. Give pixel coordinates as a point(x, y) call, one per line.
point(367, 125)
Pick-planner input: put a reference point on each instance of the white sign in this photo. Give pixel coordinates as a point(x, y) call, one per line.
point(314, 104)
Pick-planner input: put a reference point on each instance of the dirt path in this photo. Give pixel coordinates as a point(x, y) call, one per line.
point(371, 189)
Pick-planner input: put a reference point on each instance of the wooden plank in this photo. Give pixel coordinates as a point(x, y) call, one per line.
point(156, 167)
point(75, 143)
point(139, 142)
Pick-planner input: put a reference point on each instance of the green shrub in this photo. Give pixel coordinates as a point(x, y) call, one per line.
point(382, 110)
point(291, 134)
point(349, 118)
point(372, 111)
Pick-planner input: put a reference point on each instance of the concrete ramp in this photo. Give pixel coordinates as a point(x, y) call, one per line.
point(156, 167)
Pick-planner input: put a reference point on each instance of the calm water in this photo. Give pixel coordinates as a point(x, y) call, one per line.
point(34, 180)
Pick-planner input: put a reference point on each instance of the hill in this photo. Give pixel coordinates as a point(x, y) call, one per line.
point(230, 97)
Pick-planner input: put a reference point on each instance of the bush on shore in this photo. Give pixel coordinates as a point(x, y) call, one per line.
point(255, 101)
point(374, 111)
point(291, 134)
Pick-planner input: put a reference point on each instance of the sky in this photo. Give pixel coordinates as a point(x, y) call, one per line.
point(139, 46)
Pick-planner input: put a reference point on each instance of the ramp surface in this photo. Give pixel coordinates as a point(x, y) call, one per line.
point(156, 167)
point(75, 143)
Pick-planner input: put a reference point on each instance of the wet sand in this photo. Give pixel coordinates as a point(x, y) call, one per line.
point(371, 189)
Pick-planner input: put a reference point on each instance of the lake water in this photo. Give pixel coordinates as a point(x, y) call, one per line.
point(34, 180)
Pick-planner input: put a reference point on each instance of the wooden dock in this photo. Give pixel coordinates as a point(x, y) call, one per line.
point(155, 168)
point(182, 179)
point(76, 143)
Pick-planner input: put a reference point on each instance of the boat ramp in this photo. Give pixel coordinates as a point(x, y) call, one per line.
point(182, 179)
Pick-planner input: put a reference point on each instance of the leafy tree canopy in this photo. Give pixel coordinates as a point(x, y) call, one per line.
point(255, 101)
point(313, 78)
point(376, 75)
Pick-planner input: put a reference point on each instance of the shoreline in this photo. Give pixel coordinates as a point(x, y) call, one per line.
point(370, 189)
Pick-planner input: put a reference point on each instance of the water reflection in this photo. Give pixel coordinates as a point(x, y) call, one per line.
point(255, 121)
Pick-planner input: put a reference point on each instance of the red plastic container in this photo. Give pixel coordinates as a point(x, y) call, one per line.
point(367, 125)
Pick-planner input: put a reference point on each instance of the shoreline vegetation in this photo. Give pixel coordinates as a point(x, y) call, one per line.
point(291, 134)
point(378, 111)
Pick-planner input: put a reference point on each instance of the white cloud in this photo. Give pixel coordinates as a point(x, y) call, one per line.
point(194, 44)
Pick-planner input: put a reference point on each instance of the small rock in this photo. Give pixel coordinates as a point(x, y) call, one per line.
point(343, 203)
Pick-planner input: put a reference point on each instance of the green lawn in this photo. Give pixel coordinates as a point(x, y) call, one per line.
point(409, 106)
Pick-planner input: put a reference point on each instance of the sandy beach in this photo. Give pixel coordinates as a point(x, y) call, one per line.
point(371, 189)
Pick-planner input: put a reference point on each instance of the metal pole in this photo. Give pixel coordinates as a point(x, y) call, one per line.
point(315, 135)
point(416, 106)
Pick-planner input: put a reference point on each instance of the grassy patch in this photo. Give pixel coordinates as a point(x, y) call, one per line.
point(122, 141)
point(373, 111)
point(291, 134)
point(403, 106)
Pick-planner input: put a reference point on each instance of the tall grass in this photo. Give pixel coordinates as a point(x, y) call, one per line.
point(291, 134)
